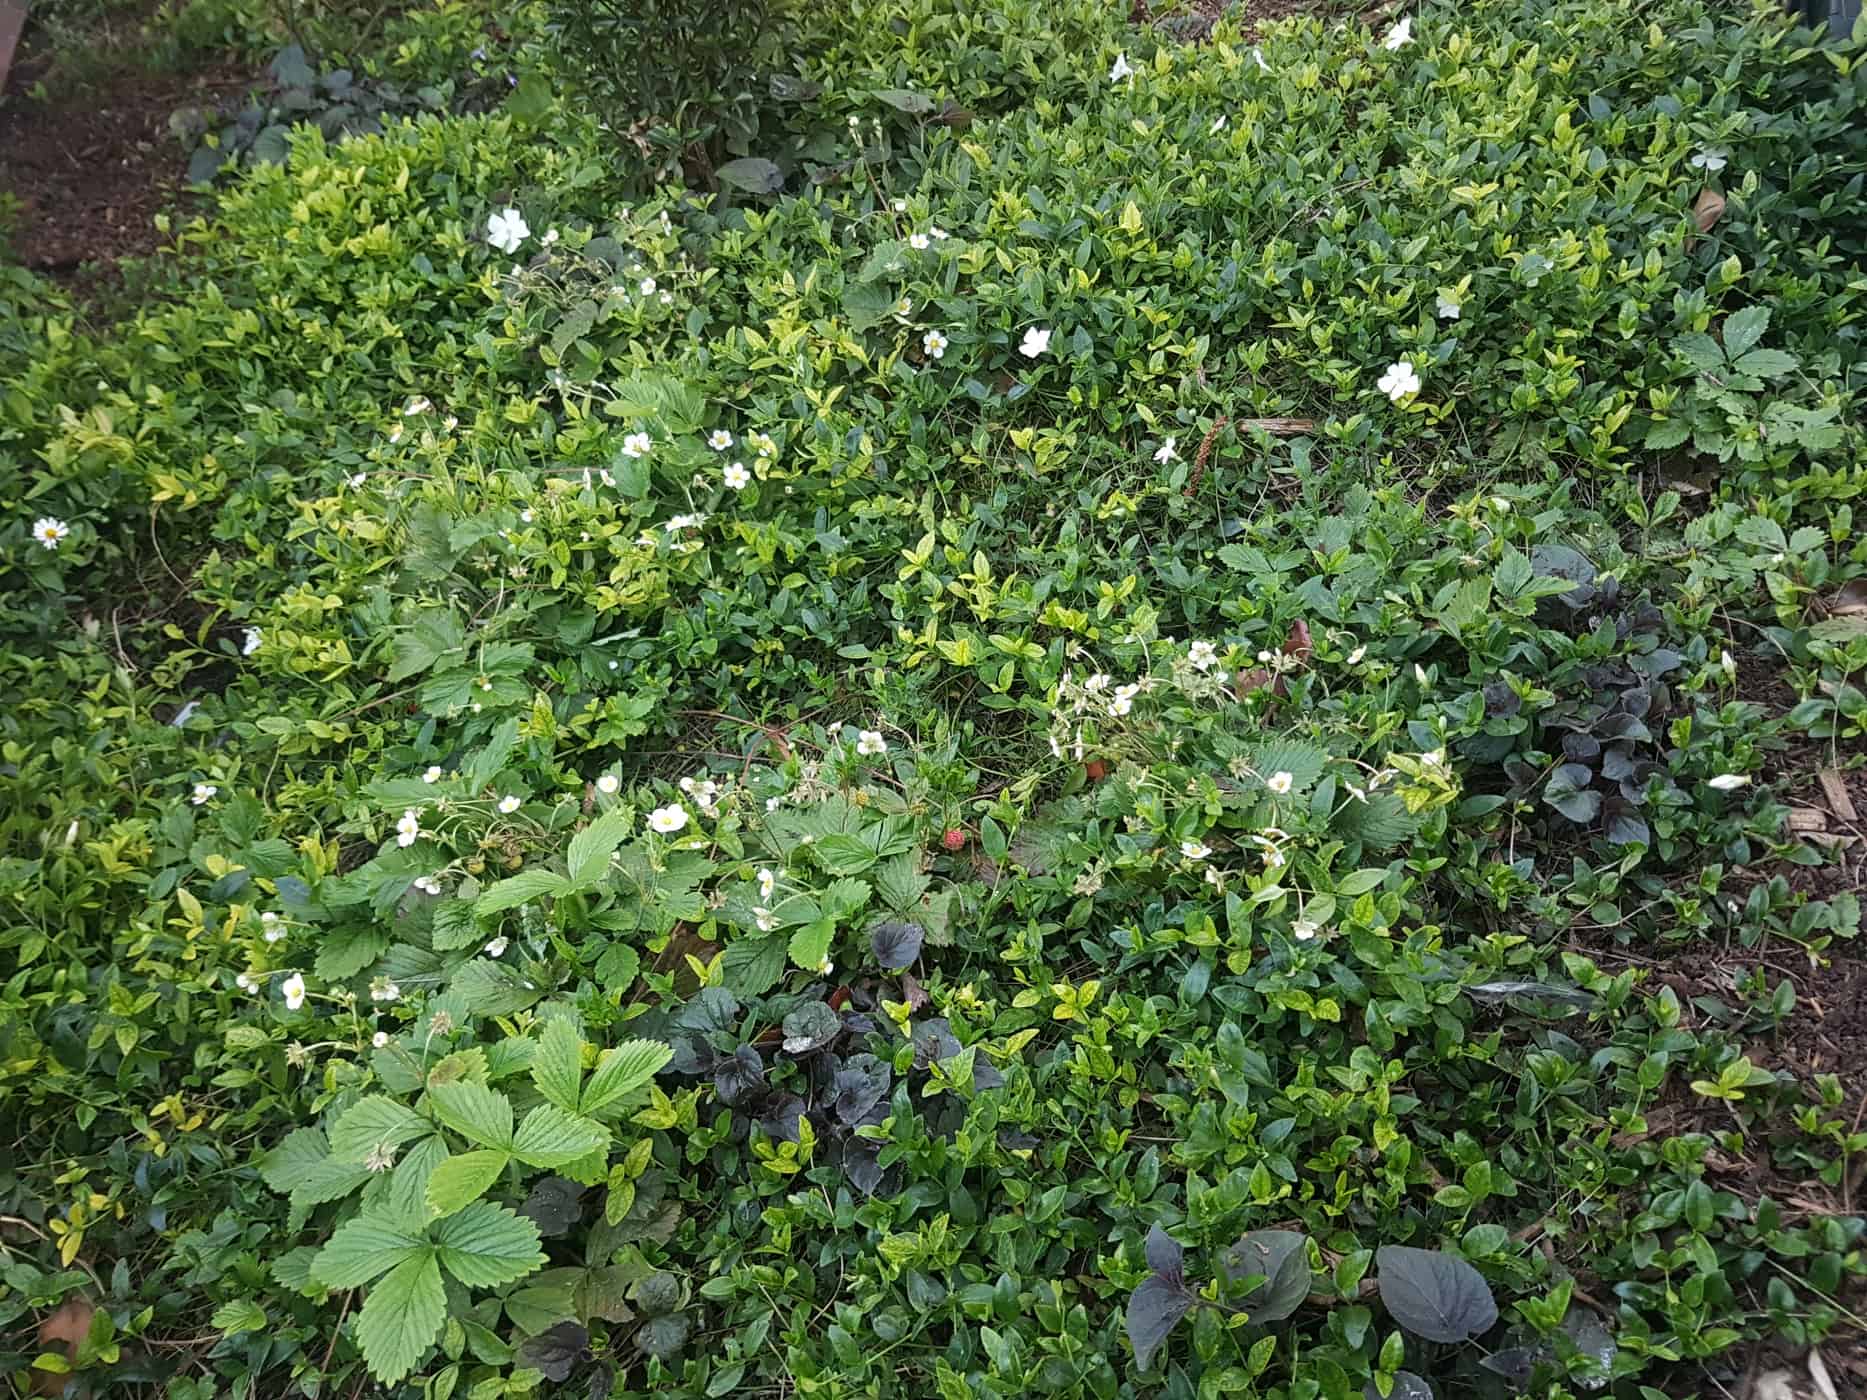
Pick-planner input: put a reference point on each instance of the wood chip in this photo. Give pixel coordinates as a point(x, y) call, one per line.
point(1807, 819)
point(1835, 789)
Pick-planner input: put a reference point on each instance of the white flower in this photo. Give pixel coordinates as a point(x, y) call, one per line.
point(497, 948)
point(251, 640)
point(380, 1039)
point(428, 884)
point(869, 743)
point(49, 532)
point(1354, 657)
point(719, 439)
point(1448, 308)
point(245, 983)
point(1279, 782)
point(1215, 878)
point(409, 828)
point(940, 235)
point(825, 968)
point(1168, 451)
point(1195, 850)
point(767, 882)
point(1711, 158)
point(432, 774)
point(294, 989)
point(202, 794)
point(1258, 54)
point(525, 516)
point(385, 991)
point(1399, 381)
point(737, 477)
point(358, 478)
point(676, 523)
point(1036, 341)
point(450, 423)
point(272, 927)
point(919, 242)
point(1727, 782)
point(395, 434)
point(765, 919)
point(418, 404)
point(1123, 703)
point(1202, 655)
point(1273, 858)
point(551, 236)
point(506, 230)
point(609, 784)
point(773, 803)
point(1359, 794)
point(900, 206)
point(667, 820)
point(1119, 69)
point(1400, 35)
point(1303, 930)
point(1096, 682)
point(763, 442)
point(637, 445)
point(509, 804)
point(1218, 125)
point(647, 285)
point(934, 344)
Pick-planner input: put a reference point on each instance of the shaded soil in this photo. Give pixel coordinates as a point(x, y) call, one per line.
point(92, 167)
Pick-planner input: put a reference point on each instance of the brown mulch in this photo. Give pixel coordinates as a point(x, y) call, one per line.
point(92, 167)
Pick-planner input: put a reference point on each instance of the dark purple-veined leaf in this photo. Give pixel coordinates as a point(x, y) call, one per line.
point(779, 1122)
point(661, 1337)
point(862, 1165)
point(1515, 1364)
point(1281, 1257)
point(811, 1027)
point(740, 1077)
point(713, 1011)
point(1166, 1256)
point(858, 1087)
point(1153, 1310)
point(1434, 1295)
point(896, 943)
point(658, 1295)
point(557, 1352)
point(554, 1205)
point(1407, 1386)
point(934, 1040)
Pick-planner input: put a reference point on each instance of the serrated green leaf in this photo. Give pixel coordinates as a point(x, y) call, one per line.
point(401, 1317)
point(302, 1149)
point(1743, 329)
point(435, 636)
point(486, 1245)
point(463, 1179)
point(810, 945)
point(374, 1122)
point(238, 1315)
point(557, 1063)
point(493, 989)
point(1765, 364)
point(477, 1113)
point(362, 1248)
point(522, 888)
point(550, 1137)
point(622, 1071)
point(591, 848)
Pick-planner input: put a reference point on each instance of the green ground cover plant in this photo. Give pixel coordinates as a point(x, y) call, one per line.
point(1050, 712)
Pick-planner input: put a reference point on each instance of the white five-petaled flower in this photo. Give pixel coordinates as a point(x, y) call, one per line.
point(1711, 159)
point(294, 989)
point(1119, 69)
point(509, 804)
point(763, 442)
point(1123, 703)
point(432, 774)
point(271, 926)
point(667, 820)
point(385, 991)
point(506, 230)
point(825, 968)
point(1202, 655)
point(1279, 782)
point(380, 1039)
point(609, 784)
point(764, 918)
point(918, 242)
point(251, 640)
point(428, 884)
point(551, 236)
point(719, 439)
point(1728, 782)
point(408, 830)
point(1400, 35)
point(1036, 341)
point(49, 531)
point(940, 235)
point(418, 404)
point(203, 793)
point(497, 948)
point(677, 523)
point(647, 284)
point(1169, 450)
point(637, 445)
point(1400, 381)
point(1354, 657)
point(1303, 930)
point(1195, 850)
point(934, 344)
point(245, 983)
point(737, 477)
point(869, 743)
point(767, 882)
point(1448, 309)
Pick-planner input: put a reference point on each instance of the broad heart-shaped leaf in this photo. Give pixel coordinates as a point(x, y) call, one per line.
point(1407, 1386)
point(622, 1071)
point(1434, 1295)
point(1153, 1309)
point(374, 1122)
point(896, 943)
point(477, 1113)
point(401, 1317)
point(1165, 1255)
point(1282, 1257)
point(522, 888)
point(591, 848)
point(486, 1245)
point(662, 1336)
point(362, 1248)
point(462, 1180)
point(557, 1063)
point(811, 1027)
point(550, 1137)
point(753, 174)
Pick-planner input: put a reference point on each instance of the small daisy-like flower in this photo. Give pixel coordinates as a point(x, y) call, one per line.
point(428, 884)
point(203, 794)
point(934, 344)
point(737, 477)
point(667, 820)
point(609, 784)
point(767, 882)
point(1354, 657)
point(271, 926)
point(1400, 35)
point(358, 478)
point(525, 516)
point(294, 989)
point(1303, 930)
point(919, 242)
point(1273, 858)
point(1279, 782)
point(380, 1157)
point(719, 439)
point(395, 434)
point(49, 531)
point(1123, 703)
point(509, 804)
point(763, 443)
point(1195, 850)
point(1448, 309)
point(1169, 450)
point(380, 1039)
point(765, 919)
point(637, 445)
point(825, 968)
point(900, 206)
point(251, 640)
point(677, 523)
point(1202, 655)
point(1711, 159)
point(1727, 782)
point(497, 948)
point(1036, 341)
point(418, 404)
point(432, 774)
point(551, 236)
point(1119, 69)
point(870, 743)
point(408, 829)
point(647, 285)
point(245, 983)
point(940, 235)
point(507, 230)
point(385, 991)
point(1216, 878)
point(1400, 381)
